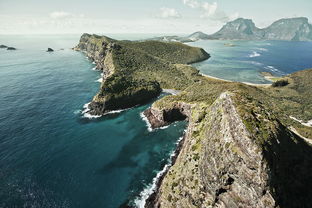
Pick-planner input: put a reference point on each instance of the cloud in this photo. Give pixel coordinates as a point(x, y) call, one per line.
point(191, 3)
point(167, 13)
point(210, 10)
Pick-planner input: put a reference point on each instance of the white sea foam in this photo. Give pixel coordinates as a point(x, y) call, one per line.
point(272, 68)
point(254, 54)
point(94, 68)
point(93, 62)
point(85, 112)
point(148, 124)
point(116, 111)
point(262, 49)
point(140, 201)
point(164, 127)
point(99, 80)
point(256, 63)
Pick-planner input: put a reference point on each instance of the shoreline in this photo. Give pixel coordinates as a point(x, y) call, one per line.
point(148, 200)
point(247, 83)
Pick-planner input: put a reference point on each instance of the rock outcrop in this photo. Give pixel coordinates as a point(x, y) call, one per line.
point(11, 48)
point(3, 46)
point(223, 164)
point(50, 50)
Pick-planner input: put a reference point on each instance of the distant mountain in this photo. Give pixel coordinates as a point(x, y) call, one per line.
point(296, 29)
point(198, 36)
point(183, 39)
point(293, 29)
point(171, 38)
point(239, 29)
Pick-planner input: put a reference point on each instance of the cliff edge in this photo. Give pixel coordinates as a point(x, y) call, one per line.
point(235, 153)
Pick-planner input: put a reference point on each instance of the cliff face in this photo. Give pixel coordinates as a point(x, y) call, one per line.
point(224, 164)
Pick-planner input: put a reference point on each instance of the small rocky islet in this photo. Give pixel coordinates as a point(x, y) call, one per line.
point(238, 150)
point(7, 47)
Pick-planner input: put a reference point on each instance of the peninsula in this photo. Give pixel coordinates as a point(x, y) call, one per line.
point(239, 150)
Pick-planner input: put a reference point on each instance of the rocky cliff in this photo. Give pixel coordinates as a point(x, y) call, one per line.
point(223, 162)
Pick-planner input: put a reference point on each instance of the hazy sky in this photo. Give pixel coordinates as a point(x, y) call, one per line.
point(140, 16)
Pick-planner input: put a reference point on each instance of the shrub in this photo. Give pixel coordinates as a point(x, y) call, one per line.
point(280, 83)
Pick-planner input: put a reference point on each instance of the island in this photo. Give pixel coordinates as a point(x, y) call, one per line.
point(50, 50)
point(242, 146)
point(11, 48)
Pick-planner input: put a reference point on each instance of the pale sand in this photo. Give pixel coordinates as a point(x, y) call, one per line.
point(247, 83)
point(309, 141)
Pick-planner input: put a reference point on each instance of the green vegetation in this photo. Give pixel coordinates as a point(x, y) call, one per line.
point(140, 69)
point(280, 83)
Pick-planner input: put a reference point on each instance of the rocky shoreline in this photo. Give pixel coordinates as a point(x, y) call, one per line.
point(159, 118)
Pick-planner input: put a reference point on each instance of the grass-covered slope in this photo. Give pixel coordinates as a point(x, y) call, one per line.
point(136, 71)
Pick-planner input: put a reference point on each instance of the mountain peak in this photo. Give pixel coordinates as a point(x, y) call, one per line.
point(297, 29)
point(198, 35)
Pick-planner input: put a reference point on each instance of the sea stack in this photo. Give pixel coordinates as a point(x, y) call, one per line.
point(50, 50)
point(11, 48)
point(3, 46)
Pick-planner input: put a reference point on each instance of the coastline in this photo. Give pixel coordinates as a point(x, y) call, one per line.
point(147, 200)
point(247, 83)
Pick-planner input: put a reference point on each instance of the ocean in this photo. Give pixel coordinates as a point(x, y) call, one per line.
point(244, 60)
point(51, 155)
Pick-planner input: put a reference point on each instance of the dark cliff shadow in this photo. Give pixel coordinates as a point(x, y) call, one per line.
point(290, 161)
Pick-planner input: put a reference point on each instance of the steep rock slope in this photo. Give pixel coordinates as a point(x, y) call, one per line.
point(224, 162)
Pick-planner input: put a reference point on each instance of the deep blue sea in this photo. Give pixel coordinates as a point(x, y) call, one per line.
point(52, 156)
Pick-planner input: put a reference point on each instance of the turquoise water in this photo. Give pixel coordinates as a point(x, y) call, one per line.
point(50, 156)
point(245, 61)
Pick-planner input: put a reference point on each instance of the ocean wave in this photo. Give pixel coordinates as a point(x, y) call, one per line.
point(148, 124)
point(254, 54)
point(85, 112)
point(93, 62)
point(272, 68)
point(99, 80)
point(140, 201)
point(256, 63)
point(94, 68)
point(262, 49)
